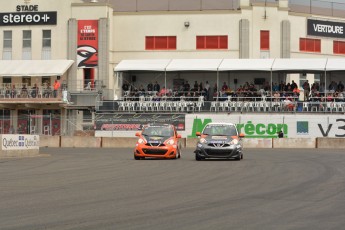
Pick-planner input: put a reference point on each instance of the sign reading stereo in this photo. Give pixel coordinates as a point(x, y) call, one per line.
point(325, 28)
point(28, 18)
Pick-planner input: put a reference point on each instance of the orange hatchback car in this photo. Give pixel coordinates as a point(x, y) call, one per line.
point(157, 141)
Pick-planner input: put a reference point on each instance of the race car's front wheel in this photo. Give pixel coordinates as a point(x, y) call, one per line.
point(198, 158)
point(138, 158)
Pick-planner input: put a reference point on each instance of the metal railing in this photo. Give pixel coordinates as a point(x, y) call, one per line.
point(223, 104)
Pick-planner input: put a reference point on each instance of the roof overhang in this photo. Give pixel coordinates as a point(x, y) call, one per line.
point(34, 67)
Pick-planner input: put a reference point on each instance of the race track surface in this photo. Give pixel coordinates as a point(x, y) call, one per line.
point(108, 189)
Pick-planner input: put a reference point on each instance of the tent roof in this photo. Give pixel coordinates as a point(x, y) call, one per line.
point(246, 65)
point(299, 64)
point(143, 65)
point(335, 65)
point(34, 67)
point(194, 65)
point(285, 65)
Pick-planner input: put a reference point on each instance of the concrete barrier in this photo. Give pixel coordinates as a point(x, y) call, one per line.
point(80, 142)
point(119, 142)
point(294, 143)
point(50, 141)
point(330, 143)
point(18, 145)
point(262, 143)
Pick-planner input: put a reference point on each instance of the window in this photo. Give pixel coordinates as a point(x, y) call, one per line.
point(7, 80)
point(26, 81)
point(338, 47)
point(264, 40)
point(46, 45)
point(7, 39)
point(310, 45)
point(87, 116)
point(46, 39)
point(212, 42)
point(7, 51)
point(160, 43)
point(26, 45)
point(27, 39)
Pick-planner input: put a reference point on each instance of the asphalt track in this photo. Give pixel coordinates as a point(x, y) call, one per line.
point(107, 189)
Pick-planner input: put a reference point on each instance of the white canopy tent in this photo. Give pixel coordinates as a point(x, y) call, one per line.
point(300, 65)
point(34, 67)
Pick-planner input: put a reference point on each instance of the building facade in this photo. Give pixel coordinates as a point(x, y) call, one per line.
point(79, 43)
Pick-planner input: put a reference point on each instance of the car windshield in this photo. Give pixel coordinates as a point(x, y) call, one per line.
point(220, 130)
point(162, 131)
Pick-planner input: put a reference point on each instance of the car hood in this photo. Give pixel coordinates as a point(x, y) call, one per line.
point(218, 139)
point(155, 139)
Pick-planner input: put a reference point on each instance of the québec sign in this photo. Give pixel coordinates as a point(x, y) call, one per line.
point(28, 15)
point(325, 28)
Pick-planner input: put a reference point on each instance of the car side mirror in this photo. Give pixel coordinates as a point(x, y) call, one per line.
point(198, 134)
point(137, 134)
point(242, 135)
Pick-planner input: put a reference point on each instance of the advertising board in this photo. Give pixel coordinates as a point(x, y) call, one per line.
point(19, 142)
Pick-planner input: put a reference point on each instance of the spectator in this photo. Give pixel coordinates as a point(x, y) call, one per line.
point(275, 87)
point(125, 87)
point(224, 87)
point(340, 86)
point(306, 88)
point(156, 87)
point(280, 134)
point(34, 91)
point(293, 85)
point(56, 87)
point(24, 92)
point(47, 91)
point(13, 91)
point(195, 88)
point(186, 86)
point(150, 87)
point(207, 90)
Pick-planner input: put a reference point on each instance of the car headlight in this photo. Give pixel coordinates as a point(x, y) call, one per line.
point(203, 140)
point(234, 142)
point(170, 142)
point(141, 141)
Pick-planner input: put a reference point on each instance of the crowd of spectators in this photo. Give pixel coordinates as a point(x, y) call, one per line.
point(248, 91)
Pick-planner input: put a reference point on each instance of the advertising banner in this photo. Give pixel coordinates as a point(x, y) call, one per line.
point(256, 126)
point(19, 142)
point(325, 28)
point(87, 51)
point(132, 122)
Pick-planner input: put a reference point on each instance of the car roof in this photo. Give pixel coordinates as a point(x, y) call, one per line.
point(158, 125)
point(220, 123)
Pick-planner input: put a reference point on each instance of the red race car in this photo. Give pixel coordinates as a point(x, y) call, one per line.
point(158, 141)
